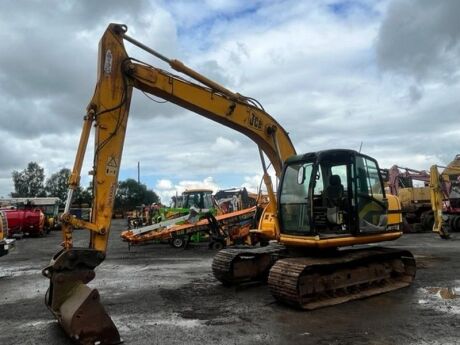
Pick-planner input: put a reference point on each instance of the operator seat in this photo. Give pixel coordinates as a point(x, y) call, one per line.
point(334, 196)
point(334, 192)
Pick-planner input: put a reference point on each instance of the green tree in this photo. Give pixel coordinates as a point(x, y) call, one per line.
point(131, 194)
point(58, 184)
point(29, 182)
point(84, 196)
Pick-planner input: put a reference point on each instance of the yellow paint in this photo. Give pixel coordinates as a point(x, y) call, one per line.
point(317, 242)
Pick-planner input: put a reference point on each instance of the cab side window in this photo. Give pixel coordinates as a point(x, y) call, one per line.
point(371, 207)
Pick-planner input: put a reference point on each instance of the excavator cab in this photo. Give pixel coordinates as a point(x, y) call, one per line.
point(332, 193)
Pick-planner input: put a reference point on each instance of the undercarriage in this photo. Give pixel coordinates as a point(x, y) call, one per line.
point(323, 279)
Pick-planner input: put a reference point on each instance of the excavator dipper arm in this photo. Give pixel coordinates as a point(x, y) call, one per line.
point(74, 304)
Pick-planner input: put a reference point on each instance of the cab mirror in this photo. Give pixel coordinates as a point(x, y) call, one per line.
point(301, 175)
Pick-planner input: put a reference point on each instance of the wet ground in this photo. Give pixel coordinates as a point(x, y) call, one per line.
point(160, 295)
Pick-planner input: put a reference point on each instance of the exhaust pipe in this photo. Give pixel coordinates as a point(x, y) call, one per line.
point(76, 306)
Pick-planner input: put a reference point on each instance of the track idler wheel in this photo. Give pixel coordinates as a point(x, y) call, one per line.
point(76, 306)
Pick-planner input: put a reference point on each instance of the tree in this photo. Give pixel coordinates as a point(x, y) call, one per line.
point(29, 182)
point(130, 194)
point(58, 184)
point(84, 196)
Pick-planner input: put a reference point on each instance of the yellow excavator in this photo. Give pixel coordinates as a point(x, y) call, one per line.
point(445, 197)
point(326, 202)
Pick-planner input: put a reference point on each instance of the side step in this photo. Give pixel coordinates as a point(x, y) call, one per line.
point(315, 282)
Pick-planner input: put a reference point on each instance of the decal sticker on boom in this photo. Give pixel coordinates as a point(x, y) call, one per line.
point(255, 121)
point(111, 168)
point(108, 62)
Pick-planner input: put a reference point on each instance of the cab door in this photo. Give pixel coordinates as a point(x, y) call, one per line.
point(372, 205)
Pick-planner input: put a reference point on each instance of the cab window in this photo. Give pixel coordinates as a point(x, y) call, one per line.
point(294, 198)
point(372, 208)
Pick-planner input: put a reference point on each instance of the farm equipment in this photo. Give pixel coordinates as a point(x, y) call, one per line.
point(200, 200)
point(221, 231)
point(49, 206)
point(25, 220)
point(195, 220)
point(234, 199)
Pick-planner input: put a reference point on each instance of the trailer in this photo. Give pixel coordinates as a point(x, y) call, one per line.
point(221, 230)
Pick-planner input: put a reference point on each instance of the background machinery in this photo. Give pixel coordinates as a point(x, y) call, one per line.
point(415, 199)
point(5, 243)
point(201, 217)
point(49, 206)
point(326, 200)
point(445, 197)
point(24, 219)
point(201, 200)
point(234, 199)
point(220, 231)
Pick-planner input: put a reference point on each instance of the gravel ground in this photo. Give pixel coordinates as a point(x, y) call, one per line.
point(160, 295)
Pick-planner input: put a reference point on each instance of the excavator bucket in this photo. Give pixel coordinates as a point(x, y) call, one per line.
point(76, 306)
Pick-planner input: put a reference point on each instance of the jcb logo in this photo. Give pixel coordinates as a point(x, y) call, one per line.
point(255, 121)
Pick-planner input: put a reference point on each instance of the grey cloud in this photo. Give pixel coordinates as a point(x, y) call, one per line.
point(214, 71)
point(421, 39)
point(48, 72)
point(10, 157)
point(326, 94)
point(415, 93)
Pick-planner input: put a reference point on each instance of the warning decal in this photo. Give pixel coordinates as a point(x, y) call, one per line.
point(111, 167)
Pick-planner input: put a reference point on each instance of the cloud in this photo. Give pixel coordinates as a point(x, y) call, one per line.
point(164, 184)
point(420, 39)
point(253, 183)
point(334, 74)
point(165, 188)
point(224, 146)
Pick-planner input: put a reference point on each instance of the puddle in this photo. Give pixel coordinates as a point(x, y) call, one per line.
point(445, 293)
point(130, 323)
point(12, 272)
point(40, 324)
point(441, 299)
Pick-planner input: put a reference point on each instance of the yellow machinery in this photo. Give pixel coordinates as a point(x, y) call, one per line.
point(326, 200)
point(445, 197)
point(415, 200)
point(5, 244)
point(3, 231)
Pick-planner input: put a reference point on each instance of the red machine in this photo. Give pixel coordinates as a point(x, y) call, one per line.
point(25, 221)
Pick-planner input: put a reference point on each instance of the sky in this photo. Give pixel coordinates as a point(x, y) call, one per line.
point(378, 74)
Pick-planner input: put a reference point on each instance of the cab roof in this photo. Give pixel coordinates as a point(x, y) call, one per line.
point(320, 155)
